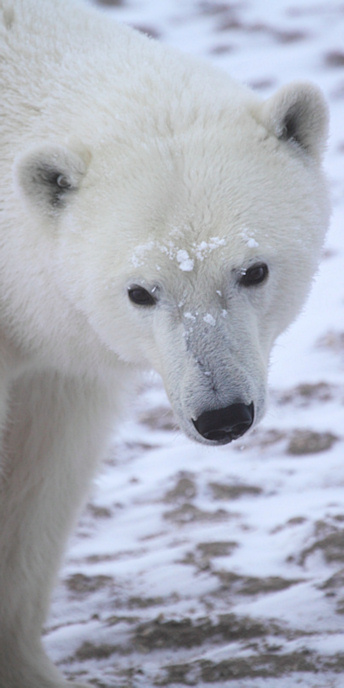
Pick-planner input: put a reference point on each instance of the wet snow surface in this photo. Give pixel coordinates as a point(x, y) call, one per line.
point(225, 567)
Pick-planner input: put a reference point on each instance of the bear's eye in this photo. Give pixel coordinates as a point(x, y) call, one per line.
point(140, 296)
point(254, 275)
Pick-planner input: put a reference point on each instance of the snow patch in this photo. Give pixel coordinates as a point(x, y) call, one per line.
point(203, 249)
point(248, 237)
point(209, 319)
point(137, 258)
point(185, 262)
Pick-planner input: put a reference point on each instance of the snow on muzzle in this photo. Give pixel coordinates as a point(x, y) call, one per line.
point(225, 424)
point(214, 377)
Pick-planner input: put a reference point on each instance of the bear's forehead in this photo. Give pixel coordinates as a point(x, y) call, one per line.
point(185, 259)
point(185, 254)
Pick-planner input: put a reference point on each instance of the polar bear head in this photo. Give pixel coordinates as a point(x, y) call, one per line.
point(183, 242)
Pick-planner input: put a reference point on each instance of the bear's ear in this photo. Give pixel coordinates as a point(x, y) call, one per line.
point(297, 113)
point(48, 175)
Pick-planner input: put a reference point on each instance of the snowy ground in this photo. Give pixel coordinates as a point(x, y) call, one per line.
point(225, 567)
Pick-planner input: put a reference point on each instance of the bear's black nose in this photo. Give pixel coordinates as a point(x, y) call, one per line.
point(225, 424)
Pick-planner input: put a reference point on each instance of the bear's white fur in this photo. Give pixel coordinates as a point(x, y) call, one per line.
point(153, 213)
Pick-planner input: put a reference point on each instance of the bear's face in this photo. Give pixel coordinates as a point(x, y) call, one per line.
point(191, 254)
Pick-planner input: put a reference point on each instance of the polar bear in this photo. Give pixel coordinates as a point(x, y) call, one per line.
point(154, 213)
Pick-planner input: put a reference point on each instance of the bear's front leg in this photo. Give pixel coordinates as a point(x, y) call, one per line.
point(57, 428)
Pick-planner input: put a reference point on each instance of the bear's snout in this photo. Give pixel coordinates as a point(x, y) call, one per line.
point(225, 424)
